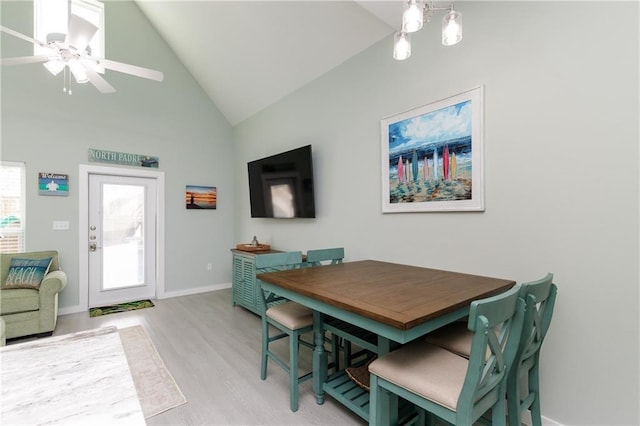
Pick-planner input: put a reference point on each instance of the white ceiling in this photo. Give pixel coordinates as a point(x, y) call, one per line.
point(246, 55)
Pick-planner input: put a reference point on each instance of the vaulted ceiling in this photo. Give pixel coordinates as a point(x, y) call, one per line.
point(246, 55)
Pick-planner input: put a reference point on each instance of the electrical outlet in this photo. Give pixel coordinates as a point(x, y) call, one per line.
point(209, 266)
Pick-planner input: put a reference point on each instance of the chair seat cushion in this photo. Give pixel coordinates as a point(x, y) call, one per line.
point(454, 337)
point(426, 370)
point(292, 315)
point(13, 301)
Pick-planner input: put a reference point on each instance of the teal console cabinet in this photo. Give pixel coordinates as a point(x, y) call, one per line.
point(243, 281)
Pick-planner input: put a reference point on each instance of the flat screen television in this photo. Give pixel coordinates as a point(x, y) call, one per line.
point(281, 186)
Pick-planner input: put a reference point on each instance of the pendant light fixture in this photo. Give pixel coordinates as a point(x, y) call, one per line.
point(401, 46)
point(415, 13)
point(451, 28)
point(412, 17)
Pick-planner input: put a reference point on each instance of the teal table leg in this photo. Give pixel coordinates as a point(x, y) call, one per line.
point(389, 401)
point(319, 358)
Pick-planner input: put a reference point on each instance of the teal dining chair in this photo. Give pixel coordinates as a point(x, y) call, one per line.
point(446, 385)
point(290, 320)
point(330, 256)
point(527, 368)
point(523, 383)
point(343, 335)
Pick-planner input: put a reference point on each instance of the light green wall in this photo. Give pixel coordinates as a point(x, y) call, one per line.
point(173, 120)
point(562, 177)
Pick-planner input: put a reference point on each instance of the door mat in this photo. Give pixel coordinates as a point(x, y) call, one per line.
point(121, 307)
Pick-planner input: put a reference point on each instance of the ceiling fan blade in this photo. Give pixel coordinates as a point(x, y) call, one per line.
point(25, 60)
point(80, 32)
point(23, 37)
point(131, 69)
point(100, 83)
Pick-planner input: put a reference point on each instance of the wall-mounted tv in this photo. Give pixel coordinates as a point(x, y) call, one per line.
point(281, 186)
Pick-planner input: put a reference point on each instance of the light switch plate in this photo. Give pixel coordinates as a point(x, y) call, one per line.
point(60, 225)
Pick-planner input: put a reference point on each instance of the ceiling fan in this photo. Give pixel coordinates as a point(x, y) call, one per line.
point(72, 50)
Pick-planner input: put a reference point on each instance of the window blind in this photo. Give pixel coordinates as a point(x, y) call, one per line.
point(12, 207)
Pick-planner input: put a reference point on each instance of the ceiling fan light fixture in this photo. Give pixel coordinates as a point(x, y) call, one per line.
point(54, 66)
point(55, 37)
point(75, 53)
point(77, 69)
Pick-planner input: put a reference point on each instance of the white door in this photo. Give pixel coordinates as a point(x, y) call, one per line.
point(122, 239)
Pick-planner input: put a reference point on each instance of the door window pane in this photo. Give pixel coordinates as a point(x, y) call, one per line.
point(122, 236)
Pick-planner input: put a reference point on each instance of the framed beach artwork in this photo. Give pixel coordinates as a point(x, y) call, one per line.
point(432, 157)
point(199, 197)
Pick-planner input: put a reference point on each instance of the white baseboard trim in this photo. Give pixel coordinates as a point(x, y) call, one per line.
point(71, 310)
point(196, 290)
point(546, 421)
point(526, 420)
point(166, 295)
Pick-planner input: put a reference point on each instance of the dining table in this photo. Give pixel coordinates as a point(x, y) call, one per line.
point(397, 303)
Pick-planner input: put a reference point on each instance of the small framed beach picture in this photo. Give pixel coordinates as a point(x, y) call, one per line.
point(201, 197)
point(432, 157)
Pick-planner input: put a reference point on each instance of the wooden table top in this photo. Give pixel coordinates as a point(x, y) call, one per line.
point(401, 296)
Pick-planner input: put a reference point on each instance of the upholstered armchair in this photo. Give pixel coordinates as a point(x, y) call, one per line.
point(29, 292)
point(3, 339)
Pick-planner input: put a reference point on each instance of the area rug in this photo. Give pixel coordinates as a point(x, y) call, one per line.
point(121, 307)
point(157, 390)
